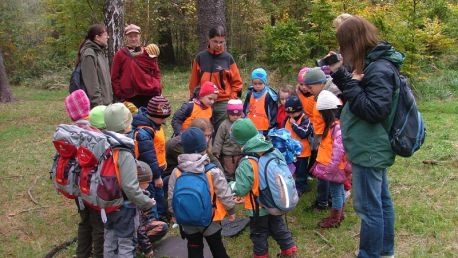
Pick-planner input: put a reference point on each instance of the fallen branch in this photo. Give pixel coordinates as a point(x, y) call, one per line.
point(29, 191)
point(27, 210)
point(10, 177)
point(323, 238)
point(60, 247)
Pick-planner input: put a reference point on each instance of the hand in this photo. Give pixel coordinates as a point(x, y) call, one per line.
point(153, 201)
point(232, 217)
point(216, 155)
point(334, 67)
point(238, 200)
point(158, 183)
point(357, 76)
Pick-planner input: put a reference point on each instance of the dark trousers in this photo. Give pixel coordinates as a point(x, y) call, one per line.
point(263, 226)
point(301, 174)
point(158, 195)
point(90, 234)
point(196, 245)
point(140, 101)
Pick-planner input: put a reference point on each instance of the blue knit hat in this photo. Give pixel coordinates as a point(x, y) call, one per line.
point(193, 140)
point(314, 76)
point(259, 74)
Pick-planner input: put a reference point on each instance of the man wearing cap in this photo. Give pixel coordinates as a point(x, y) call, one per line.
point(135, 73)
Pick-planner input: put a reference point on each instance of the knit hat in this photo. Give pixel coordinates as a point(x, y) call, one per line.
point(144, 173)
point(131, 28)
point(314, 76)
point(208, 88)
point(327, 100)
point(242, 130)
point(152, 50)
point(117, 117)
point(259, 74)
point(77, 105)
point(293, 104)
point(96, 116)
point(300, 75)
point(193, 140)
point(235, 107)
point(159, 107)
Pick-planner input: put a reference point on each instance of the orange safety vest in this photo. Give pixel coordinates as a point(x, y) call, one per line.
point(257, 112)
point(317, 121)
point(219, 210)
point(158, 144)
point(306, 151)
point(325, 151)
point(250, 198)
point(308, 103)
point(197, 112)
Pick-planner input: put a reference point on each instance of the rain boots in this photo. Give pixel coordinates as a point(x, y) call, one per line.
point(332, 221)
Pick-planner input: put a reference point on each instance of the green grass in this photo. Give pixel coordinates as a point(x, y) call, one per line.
point(425, 196)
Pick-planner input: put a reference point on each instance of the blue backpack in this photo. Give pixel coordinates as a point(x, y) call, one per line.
point(192, 203)
point(281, 139)
point(407, 132)
point(277, 188)
point(76, 80)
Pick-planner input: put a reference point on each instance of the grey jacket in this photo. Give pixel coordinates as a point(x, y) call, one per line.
point(96, 74)
point(195, 163)
point(223, 143)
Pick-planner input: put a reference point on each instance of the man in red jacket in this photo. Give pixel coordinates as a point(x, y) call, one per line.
point(135, 73)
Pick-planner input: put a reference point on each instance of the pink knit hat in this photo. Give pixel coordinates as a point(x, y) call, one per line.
point(77, 105)
point(302, 72)
point(235, 107)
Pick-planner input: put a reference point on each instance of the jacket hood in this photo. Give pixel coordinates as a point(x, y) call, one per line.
point(141, 119)
point(386, 51)
point(117, 139)
point(272, 93)
point(257, 144)
point(92, 45)
point(193, 162)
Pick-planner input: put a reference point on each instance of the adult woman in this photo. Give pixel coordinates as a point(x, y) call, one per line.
point(95, 69)
point(218, 66)
point(135, 70)
point(369, 94)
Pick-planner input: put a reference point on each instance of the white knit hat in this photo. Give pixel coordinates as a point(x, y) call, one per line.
point(327, 100)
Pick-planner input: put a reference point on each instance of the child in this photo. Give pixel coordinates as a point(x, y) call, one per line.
point(96, 117)
point(149, 138)
point(200, 106)
point(224, 146)
point(283, 94)
point(264, 224)
point(194, 160)
point(90, 228)
point(261, 102)
point(298, 124)
point(120, 228)
point(331, 160)
point(150, 229)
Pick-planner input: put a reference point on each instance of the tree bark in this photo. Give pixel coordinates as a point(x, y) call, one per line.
point(114, 20)
point(5, 90)
point(210, 13)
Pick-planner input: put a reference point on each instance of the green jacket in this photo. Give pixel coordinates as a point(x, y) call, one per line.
point(244, 174)
point(95, 71)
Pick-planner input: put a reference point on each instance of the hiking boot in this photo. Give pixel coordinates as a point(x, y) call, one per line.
point(316, 207)
point(332, 221)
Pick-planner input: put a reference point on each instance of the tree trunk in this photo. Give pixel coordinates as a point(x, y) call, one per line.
point(5, 90)
point(114, 20)
point(210, 13)
point(165, 37)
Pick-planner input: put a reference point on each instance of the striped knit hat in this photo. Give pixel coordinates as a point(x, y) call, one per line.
point(159, 106)
point(77, 105)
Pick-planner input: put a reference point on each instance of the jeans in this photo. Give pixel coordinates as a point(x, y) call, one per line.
point(160, 209)
point(337, 195)
point(372, 202)
point(322, 192)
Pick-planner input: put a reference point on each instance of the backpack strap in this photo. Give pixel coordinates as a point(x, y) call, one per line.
point(254, 192)
point(136, 148)
point(116, 166)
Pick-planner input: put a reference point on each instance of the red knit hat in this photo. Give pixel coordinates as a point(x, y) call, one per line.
point(207, 89)
point(159, 106)
point(77, 105)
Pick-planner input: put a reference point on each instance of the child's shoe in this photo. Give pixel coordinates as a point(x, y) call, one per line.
point(332, 221)
point(290, 253)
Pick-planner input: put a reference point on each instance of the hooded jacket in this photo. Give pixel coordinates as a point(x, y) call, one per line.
point(368, 105)
point(195, 163)
point(95, 71)
point(223, 143)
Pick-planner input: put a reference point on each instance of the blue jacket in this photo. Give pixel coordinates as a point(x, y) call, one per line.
point(145, 141)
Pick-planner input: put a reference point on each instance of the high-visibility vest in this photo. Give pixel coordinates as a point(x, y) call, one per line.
point(257, 112)
point(158, 144)
point(197, 112)
point(306, 151)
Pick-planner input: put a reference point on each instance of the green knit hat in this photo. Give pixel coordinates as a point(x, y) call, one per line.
point(314, 76)
point(96, 117)
point(242, 130)
point(117, 117)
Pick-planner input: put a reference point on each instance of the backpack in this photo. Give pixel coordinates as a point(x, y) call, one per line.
point(76, 80)
point(282, 140)
point(407, 131)
point(192, 202)
point(277, 188)
point(65, 169)
point(99, 184)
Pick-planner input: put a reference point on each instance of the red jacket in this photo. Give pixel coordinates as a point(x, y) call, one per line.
point(133, 75)
point(281, 116)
